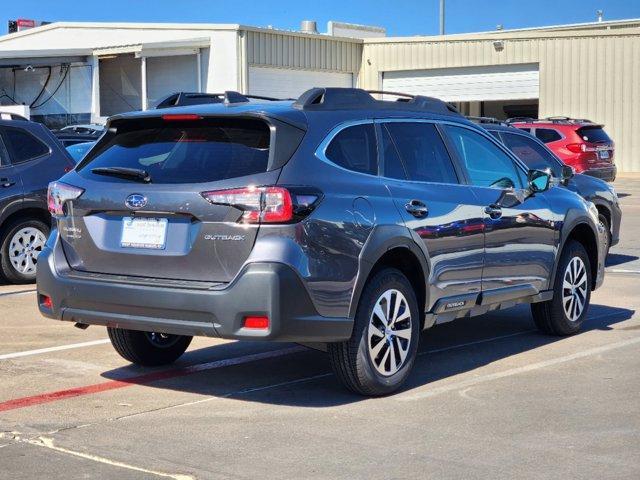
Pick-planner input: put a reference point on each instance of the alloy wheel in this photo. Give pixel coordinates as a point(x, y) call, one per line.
point(574, 289)
point(24, 248)
point(389, 332)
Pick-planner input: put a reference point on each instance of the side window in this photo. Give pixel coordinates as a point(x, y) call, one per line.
point(420, 151)
point(354, 148)
point(548, 135)
point(532, 154)
point(486, 164)
point(22, 145)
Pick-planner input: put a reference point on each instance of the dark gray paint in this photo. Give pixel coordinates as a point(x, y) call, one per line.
point(326, 257)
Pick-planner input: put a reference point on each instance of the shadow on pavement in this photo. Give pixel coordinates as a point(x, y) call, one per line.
point(614, 259)
point(304, 378)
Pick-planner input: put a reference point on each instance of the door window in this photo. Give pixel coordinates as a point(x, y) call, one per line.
point(415, 151)
point(532, 154)
point(22, 145)
point(486, 164)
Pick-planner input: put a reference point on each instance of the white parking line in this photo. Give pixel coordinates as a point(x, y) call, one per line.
point(17, 292)
point(39, 351)
point(48, 443)
point(431, 392)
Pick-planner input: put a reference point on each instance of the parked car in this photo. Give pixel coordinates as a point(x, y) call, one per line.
point(78, 150)
point(30, 158)
point(580, 143)
point(335, 219)
point(74, 134)
point(535, 155)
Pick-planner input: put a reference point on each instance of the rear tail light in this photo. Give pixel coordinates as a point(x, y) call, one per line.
point(577, 147)
point(58, 194)
point(265, 204)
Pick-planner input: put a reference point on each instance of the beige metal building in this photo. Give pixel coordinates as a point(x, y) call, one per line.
point(583, 71)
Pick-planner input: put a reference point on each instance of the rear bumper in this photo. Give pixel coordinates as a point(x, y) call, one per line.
point(608, 174)
point(270, 289)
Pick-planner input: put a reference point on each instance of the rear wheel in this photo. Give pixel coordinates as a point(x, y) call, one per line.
point(21, 246)
point(565, 313)
point(378, 357)
point(148, 348)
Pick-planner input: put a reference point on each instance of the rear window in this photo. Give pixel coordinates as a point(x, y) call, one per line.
point(548, 135)
point(189, 152)
point(594, 135)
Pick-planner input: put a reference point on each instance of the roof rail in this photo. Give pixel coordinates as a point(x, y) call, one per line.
point(228, 97)
point(342, 98)
point(554, 119)
point(12, 116)
point(520, 119)
point(491, 120)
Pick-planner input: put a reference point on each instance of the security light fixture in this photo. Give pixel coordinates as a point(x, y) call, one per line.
point(498, 45)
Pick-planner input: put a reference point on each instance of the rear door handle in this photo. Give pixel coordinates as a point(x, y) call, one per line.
point(417, 208)
point(6, 182)
point(494, 211)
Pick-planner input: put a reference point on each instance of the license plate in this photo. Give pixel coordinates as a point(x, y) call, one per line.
point(604, 154)
point(144, 233)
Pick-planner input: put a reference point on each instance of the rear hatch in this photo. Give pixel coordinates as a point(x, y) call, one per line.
point(598, 146)
point(161, 226)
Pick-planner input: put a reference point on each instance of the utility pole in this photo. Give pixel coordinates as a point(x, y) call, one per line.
point(441, 17)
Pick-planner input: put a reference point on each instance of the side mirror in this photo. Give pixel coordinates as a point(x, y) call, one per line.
point(539, 181)
point(568, 172)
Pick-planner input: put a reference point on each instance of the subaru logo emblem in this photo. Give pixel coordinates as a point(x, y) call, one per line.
point(135, 201)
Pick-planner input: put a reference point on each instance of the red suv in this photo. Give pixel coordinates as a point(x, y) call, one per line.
point(580, 143)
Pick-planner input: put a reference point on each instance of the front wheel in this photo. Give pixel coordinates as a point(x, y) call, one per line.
point(378, 357)
point(148, 348)
point(565, 313)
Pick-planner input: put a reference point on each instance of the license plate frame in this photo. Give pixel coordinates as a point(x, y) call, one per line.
point(146, 233)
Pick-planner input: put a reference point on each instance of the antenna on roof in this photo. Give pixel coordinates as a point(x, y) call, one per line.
point(599, 15)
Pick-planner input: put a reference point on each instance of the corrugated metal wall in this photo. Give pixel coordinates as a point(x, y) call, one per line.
point(309, 52)
point(595, 77)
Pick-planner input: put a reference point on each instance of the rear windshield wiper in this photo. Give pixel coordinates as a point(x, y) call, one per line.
point(135, 174)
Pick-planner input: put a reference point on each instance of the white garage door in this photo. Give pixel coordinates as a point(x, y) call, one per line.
point(283, 83)
point(467, 84)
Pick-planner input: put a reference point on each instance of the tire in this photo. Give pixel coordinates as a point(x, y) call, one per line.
point(552, 317)
point(353, 361)
point(22, 242)
point(146, 348)
point(605, 223)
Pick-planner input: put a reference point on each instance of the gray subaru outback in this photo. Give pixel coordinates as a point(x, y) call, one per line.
point(336, 219)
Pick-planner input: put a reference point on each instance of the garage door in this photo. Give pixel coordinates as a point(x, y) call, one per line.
point(467, 84)
point(283, 83)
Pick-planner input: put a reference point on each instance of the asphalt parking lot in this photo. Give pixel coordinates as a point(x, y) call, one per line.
point(489, 397)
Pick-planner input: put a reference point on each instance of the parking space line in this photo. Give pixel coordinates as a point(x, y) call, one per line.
point(27, 353)
point(515, 371)
point(142, 379)
point(48, 443)
point(17, 292)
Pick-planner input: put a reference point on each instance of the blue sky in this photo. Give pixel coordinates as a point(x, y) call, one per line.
point(400, 17)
